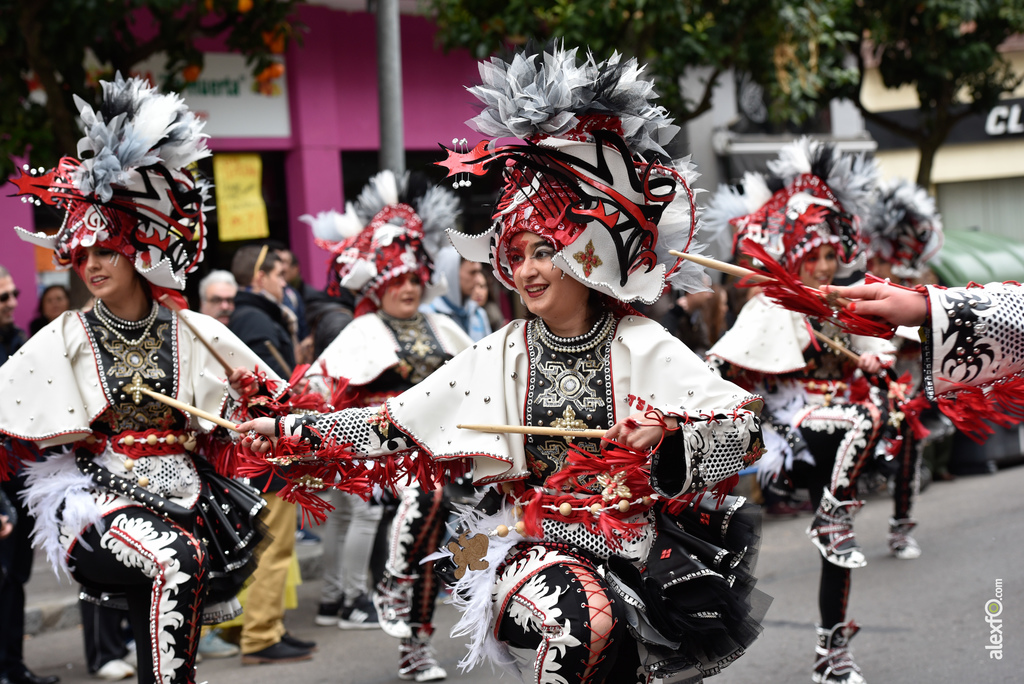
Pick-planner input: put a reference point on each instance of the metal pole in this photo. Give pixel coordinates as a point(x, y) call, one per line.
point(389, 84)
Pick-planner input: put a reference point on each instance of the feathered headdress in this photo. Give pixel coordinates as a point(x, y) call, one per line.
point(904, 227)
point(592, 175)
point(133, 191)
point(815, 195)
point(390, 230)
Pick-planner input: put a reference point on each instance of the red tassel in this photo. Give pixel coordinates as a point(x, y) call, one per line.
point(788, 292)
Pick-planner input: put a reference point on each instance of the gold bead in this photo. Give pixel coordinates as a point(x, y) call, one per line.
point(190, 443)
point(91, 439)
point(151, 440)
point(519, 511)
point(129, 440)
point(171, 439)
point(506, 487)
point(502, 531)
point(623, 506)
point(129, 464)
point(565, 509)
point(520, 527)
point(647, 501)
point(595, 508)
point(143, 481)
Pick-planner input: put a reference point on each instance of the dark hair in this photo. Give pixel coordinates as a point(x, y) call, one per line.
point(243, 265)
point(42, 296)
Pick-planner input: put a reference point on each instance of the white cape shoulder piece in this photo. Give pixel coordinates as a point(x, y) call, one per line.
point(365, 348)
point(51, 389)
point(203, 381)
point(487, 384)
point(765, 338)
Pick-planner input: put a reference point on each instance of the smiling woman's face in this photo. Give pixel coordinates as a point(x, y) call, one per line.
point(819, 266)
point(559, 300)
point(108, 274)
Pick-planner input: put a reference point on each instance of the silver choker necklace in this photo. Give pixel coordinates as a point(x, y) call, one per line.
point(116, 325)
point(580, 343)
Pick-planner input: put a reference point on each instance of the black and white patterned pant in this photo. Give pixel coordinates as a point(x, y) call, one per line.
point(163, 571)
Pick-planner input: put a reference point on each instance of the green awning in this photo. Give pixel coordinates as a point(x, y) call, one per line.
point(970, 255)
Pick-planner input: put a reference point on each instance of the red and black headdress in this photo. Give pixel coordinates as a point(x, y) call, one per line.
point(393, 228)
point(131, 191)
point(904, 228)
point(815, 195)
point(590, 175)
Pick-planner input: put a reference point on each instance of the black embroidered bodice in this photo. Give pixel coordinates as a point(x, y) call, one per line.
point(570, 386)
point(419, 353)
point(132, 356)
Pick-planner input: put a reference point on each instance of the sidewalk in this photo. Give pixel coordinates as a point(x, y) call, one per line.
point(52, 603)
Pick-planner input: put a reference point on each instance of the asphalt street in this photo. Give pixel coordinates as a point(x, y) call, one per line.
point(922, 620)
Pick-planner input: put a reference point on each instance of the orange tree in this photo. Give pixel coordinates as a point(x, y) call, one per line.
point(43, 47)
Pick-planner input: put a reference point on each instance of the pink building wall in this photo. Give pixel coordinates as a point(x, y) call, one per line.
point(332, 86)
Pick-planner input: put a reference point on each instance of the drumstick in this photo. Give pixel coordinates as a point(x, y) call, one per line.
point(835, 345)
point(170, 304)
point(533, 430)
point(137, 388)
point(740, 272)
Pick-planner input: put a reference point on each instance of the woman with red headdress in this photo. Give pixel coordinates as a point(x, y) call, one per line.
point(124, 502)
point(597, 556)
point(822, 421)
point(384, 248)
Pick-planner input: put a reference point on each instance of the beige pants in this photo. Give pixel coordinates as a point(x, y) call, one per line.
point(263, 621)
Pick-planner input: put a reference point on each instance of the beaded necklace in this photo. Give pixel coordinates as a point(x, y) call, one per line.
point(116, 325)
point(579, 343)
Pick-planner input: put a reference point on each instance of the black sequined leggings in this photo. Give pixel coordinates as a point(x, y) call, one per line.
point(163, 571)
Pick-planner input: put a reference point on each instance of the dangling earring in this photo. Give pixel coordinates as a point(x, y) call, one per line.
point(562, 277)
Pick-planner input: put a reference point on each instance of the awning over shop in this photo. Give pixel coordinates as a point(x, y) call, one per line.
point(970, 255)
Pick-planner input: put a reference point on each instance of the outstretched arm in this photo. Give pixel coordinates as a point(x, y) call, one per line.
point(898, 305)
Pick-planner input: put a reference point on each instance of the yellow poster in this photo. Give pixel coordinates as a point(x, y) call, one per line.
point(241, 213)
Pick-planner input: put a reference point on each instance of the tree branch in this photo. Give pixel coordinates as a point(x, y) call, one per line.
point(62, 122)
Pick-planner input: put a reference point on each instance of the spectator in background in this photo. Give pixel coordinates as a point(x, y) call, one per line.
point(457, 302)
point(686, 320)
point(260, 319)
point(294, 301)
point(262, 322)
point(54, 301)
point(15, 547)
point(217, 293)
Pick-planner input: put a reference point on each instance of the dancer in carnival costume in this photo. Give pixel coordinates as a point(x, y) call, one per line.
point(903, 231)
point(598, 558)
point(398, 224)
point(822, 421)
point(124, 500)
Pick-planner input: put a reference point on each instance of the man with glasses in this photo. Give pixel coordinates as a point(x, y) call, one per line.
point(217, 295)
point(15, 547)
point(11, 337)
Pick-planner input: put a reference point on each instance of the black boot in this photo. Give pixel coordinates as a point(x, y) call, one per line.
point(834, 663)
point(832, 532)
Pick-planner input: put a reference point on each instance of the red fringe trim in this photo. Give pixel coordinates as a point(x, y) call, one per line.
point(788, 292)
point(336, 466)
point(969, 407)
point(14, 452)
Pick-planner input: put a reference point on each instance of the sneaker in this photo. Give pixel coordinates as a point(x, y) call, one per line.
point(328, 613)
point(212, 646)
point(418, 663)
point(901, 544)
point(304, 536)
point(360, 615)
point(278, 653)
point(114, 671)
point(832, 532)
point(392, 601)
